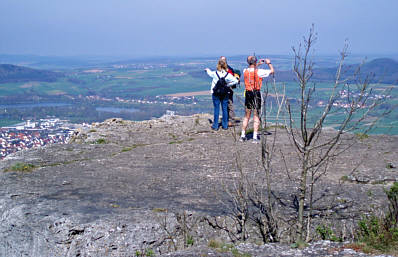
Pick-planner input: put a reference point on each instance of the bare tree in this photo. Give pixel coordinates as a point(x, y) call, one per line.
point(315, 150)
point(240, 202)
point(350, 98)
point(251, 194)
point(261, 195)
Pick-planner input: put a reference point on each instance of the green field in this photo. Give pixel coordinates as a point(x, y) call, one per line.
point(112, 83)
point(146, 81)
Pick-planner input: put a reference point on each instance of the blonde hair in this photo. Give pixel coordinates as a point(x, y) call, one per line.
point(222, 65)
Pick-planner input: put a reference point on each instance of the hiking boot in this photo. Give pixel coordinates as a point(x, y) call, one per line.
point(242, 139)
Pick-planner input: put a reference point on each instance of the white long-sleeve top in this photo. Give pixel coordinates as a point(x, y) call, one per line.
point(230, 79)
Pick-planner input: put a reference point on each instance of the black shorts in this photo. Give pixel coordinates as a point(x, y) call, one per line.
point(253, 99)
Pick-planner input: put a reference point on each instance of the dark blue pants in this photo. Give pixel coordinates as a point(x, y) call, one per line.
point(224, 106)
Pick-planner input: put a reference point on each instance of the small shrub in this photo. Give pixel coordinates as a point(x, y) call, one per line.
point(371, 232)
point(326, 233)
point(159, 210)
point(276, 126)
point(236, 253)
point(126, 149)
point(137, 145)
point(190, 241)
point(362, 136)
point(100, 141)
point(149, 253)
point(299, 244)
point(392, 196)
point(23, 167)
point(380, 233)
point(133, 147)
point(214, 244)
point(92, 130)
point(390, 166)
point(176, 142)
point(174, 137)
point(226, 247)
point(129, 148)
point(344, 178)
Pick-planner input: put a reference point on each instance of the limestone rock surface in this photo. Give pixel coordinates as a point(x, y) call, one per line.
point(124, 188)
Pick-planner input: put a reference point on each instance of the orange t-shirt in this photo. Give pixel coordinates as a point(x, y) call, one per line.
point(254, 78)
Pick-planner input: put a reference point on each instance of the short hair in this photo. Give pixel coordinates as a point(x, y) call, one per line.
point(251, 59)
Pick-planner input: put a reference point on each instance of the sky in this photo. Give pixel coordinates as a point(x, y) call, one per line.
point(138, 28)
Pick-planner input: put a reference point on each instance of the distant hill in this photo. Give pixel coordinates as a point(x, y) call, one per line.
point(384, 70)
point(12, 73)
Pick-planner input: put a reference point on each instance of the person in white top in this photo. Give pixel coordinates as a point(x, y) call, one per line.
point(231, 110)
point(221, 72)
point(253, 82)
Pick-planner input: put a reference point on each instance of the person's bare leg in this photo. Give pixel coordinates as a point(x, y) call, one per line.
point(256, 124)
point(246, 119)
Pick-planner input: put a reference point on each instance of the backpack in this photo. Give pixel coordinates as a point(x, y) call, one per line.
point(221, 89)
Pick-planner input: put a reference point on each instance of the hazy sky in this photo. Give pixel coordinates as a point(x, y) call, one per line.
point(201, 27)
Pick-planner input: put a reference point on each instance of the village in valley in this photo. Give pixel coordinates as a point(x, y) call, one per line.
point(34, 134)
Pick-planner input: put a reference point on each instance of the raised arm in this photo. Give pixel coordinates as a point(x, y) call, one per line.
point(268, 62)
point(263, 72)
point(210, 73)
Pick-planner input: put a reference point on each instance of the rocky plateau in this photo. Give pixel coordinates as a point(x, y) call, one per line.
point(158, 187)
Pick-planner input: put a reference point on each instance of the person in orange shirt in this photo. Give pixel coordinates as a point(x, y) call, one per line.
point(253, 81)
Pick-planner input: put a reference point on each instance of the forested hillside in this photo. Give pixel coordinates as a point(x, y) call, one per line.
point(12, 73)
point(383, 70)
